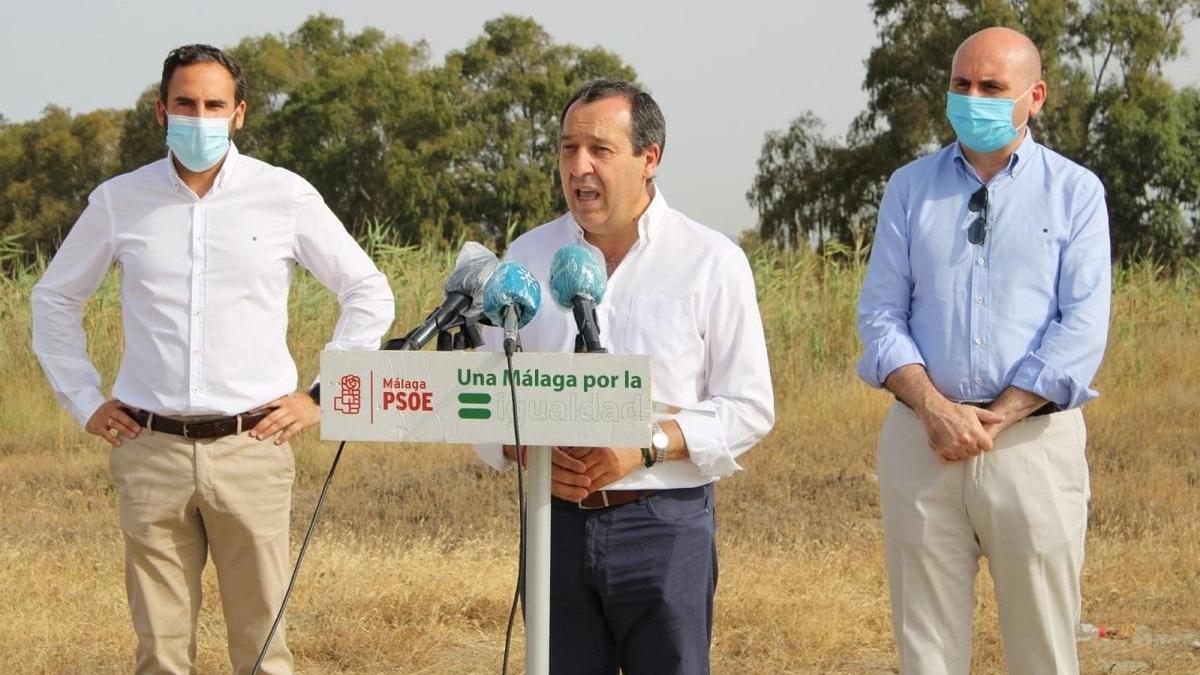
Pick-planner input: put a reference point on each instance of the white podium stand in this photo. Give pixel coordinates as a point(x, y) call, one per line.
point(586, 400)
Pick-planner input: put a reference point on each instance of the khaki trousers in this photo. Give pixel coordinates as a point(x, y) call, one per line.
point(181, 500)
point(1023, 505)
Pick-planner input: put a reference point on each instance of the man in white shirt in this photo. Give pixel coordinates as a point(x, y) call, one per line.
point(634, 562)
point(205, 399)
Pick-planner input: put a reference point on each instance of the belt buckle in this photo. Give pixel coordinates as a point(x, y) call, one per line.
point(186, 426)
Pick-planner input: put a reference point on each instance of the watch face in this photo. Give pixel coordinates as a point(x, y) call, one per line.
point(659, 439)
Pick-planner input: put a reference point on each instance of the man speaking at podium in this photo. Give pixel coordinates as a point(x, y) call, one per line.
point(205, 399)
point(633, 555)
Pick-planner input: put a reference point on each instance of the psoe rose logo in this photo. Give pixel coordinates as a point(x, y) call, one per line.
point(349, 402)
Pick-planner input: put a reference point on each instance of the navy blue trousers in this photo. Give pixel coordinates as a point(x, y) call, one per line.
point(631, 587)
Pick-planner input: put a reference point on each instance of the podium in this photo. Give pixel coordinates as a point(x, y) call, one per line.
point(585, 400)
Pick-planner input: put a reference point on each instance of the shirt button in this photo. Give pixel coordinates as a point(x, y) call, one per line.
point(979, 261)
point(979, 300)
point(978, 340)
point(195, 389)
point(979, 380)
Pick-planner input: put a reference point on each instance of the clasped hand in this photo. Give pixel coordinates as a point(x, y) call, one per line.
point(957, 432)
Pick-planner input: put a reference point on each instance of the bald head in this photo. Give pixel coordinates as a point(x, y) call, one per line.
point(1000, 51)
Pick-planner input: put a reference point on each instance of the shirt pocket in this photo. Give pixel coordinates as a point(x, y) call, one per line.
point(666, 329)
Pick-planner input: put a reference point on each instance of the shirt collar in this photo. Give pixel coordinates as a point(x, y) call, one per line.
point(648, 223)
point(232, 157)
point(651, 220)
point(1016, 164)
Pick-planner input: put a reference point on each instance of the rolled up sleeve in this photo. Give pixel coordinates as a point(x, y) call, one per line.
point(740, 409)
point(1062, 366)
point(885, 301)
point(325, 248)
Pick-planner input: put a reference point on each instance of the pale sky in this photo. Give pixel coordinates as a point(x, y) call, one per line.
point(724, 73)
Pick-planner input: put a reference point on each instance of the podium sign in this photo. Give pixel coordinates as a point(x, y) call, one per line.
point(589, 400)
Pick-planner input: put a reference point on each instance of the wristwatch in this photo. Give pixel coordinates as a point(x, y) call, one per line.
point(660, 443)
point(657, 452)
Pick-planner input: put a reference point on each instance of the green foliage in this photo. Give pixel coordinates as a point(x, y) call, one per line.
point(47, 169)
point(514, 81)
point(1110, 108)
point(429, 153)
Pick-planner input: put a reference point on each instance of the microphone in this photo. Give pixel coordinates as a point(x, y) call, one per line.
point(577, 280)
point(511, 299)
point(464, 297)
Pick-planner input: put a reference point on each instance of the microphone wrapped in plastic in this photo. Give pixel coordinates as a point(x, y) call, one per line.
point(577, 281)
point(464, 300)
point(511, 299)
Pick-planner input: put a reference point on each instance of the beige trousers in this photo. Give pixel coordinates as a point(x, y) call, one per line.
point(1023, 505)
point(181, 500)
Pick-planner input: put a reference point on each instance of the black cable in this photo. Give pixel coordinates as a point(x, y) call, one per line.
point(312, 524)
point(518, 594)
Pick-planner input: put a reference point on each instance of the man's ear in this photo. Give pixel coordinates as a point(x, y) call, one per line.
point(1037, 98)
point(651, 155)
point(239, 113)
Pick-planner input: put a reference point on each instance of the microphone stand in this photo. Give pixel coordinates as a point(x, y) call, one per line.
point(537, 527)
point(467, 337)
point(587, 340)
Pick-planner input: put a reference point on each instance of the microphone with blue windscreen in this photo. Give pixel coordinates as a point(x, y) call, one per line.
point(577, 281)
point(511, 299)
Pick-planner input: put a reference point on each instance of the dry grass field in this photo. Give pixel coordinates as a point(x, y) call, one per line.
point(412, 567)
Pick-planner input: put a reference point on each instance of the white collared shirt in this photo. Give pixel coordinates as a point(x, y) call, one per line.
point(684, 294)
point(204, 288)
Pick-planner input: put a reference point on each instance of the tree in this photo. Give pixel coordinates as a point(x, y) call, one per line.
point(813, 190)
point(514, 81)
point(1109, 103)
point(49, 166)
point(393, 143)
point(363, 120)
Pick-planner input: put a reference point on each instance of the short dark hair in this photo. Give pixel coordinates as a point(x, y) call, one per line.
point(190, 55)
point(648, 126)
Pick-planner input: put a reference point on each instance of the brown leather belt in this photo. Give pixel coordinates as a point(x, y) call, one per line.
point(605, 499)
point(1047, 409)
point(215, 428)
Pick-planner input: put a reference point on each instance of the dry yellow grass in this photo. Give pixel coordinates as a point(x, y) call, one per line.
point(411, 570)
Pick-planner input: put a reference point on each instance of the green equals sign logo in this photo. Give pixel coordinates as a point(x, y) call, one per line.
point(468, 400)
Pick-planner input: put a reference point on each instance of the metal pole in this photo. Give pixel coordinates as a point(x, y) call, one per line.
point(537, 560)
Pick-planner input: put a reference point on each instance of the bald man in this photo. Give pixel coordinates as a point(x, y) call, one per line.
point(985, 312)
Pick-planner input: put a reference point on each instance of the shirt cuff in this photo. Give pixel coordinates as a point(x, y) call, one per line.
point(492, 454)
point(892, 354)
point(706, 444)
point(1055, 385)
point(84, 405)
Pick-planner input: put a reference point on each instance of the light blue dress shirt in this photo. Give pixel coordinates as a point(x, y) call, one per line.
point(1027, 308)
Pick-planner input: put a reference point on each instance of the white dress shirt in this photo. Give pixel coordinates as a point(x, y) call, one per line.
point(204, 288)
point(684, 295)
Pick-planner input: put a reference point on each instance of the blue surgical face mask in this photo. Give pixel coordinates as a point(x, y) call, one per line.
point(198, 142)
point(983, 124)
